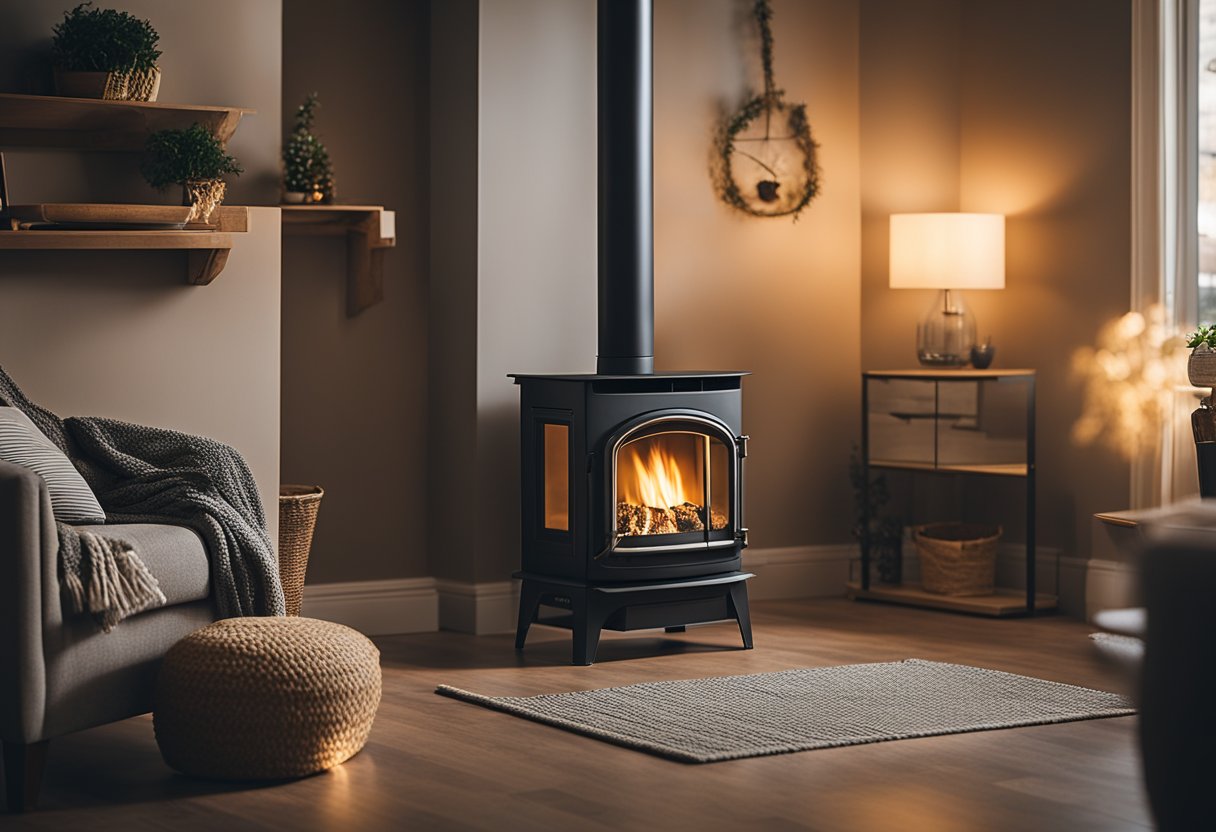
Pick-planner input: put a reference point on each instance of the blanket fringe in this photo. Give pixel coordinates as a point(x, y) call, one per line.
point(71, 582)
point(119, 585)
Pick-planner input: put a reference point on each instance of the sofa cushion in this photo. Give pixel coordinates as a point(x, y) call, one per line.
point(175, 555)
point(21, 443)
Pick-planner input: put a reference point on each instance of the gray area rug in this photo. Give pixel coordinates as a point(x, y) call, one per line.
point(728, 717)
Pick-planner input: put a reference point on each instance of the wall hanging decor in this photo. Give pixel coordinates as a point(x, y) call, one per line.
point(308, 175)
point(193, 158)
point(104, 53)
point(765, 159)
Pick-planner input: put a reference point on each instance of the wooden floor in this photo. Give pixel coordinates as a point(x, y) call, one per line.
point(437, 763)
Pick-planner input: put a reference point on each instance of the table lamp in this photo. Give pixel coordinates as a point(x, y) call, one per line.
point(947, 252)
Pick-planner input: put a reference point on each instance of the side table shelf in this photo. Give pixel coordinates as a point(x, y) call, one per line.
point(959, 423)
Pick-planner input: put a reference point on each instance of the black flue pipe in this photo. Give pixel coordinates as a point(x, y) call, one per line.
point(626, 178)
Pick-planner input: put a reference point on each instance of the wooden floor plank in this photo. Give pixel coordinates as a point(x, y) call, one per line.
point(437, 763)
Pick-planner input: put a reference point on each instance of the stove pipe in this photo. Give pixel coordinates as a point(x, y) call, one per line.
point(626, 216)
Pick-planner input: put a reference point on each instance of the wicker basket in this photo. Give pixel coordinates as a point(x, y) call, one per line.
point(957, 558)
point(298, 505)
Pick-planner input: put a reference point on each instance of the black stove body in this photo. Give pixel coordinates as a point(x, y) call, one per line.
point(632, 502)
point(632, 481)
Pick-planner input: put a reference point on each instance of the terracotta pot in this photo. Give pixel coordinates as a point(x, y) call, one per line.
point(1201, 367)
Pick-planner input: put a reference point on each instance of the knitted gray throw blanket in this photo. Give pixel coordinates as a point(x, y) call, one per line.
point(153, 475)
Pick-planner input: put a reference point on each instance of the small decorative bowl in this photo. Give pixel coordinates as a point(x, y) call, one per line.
point(982, 355)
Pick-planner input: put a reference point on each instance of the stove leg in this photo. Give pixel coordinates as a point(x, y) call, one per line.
point(588, 621)
point(529, 603)
point(738, 606)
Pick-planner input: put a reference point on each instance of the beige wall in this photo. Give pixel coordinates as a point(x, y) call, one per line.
point(536, 221)
point(223, 52)
point(121, 334)
point(355, 389)
point(1019, 107)
point(776, 297)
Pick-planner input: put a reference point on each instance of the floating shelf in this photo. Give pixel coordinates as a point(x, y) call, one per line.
point(95, 124)
point(206, 250)
point(1004, 602)
point(369, 230)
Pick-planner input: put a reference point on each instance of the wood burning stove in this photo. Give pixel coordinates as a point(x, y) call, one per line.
point(632, 489)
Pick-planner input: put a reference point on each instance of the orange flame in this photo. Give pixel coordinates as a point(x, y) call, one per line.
point(657, 480)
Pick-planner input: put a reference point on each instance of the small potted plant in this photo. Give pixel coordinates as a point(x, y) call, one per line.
point(883, 533)
point(1201, 366)
point(104, 53)
point(308, 175)
point(193, 158)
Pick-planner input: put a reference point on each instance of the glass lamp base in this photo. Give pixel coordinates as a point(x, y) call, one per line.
point(945, 335)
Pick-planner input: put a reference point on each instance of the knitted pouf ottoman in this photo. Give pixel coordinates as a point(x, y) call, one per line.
point(266, 698)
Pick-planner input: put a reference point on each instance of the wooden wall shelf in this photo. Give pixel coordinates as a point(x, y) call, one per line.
point(93, 124)
point(207, 251)
point(369, 231)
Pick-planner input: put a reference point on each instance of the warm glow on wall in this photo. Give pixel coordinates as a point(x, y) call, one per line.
point(1130, 381)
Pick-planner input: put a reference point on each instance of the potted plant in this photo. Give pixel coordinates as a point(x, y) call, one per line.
point(193, 158)
point(884, 534)
point(1201, 366)
point(104, 53)
point(308, 175)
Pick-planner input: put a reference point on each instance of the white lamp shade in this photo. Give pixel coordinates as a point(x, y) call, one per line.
point(947, 251)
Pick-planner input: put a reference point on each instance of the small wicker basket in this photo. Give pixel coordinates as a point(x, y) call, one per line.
point(957, 558)
point(298, 506)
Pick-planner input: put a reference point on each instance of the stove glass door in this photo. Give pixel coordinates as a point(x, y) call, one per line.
point(672, 482)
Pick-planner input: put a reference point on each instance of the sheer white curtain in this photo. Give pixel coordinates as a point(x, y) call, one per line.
point(1165, 205)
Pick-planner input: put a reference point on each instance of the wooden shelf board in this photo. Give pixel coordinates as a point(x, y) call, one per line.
point(95, 124)
point(962, 374)
point(1015, 469)
point(1004, 602)
point(93, 240)
point(369, 230)
point(207, 250)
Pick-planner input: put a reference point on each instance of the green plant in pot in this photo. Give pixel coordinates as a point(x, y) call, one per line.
point(105, 53)
point(193, 158)
point(1201, 365)
point(308, 175)
point(884, 533)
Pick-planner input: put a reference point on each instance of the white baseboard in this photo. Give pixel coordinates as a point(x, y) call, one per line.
point(376, 608)
point(422, 605)
point(482, 609)
point(798, 571)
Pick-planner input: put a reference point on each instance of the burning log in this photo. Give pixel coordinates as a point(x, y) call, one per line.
point(687, 517)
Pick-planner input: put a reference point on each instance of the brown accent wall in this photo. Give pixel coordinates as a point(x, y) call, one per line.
point(1019, 107)
point(770, 295)
point(1046, 138)
point(355, 390)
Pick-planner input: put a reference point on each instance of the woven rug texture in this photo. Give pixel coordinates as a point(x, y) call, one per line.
point(729, 717)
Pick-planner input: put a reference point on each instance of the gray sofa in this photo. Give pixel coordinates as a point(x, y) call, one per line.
point(58, 676)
